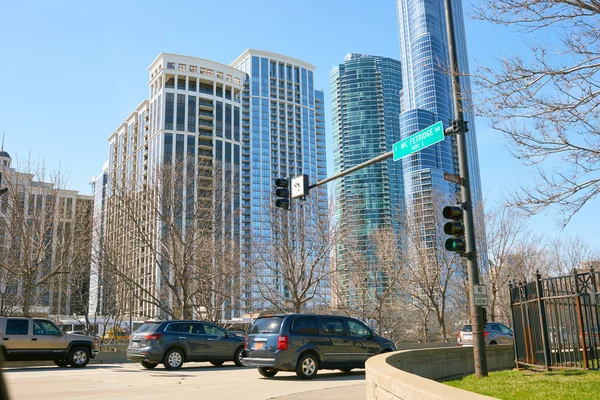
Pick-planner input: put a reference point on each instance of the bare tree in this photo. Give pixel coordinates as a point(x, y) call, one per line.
point(32, 227)
point(291, 267)
point(431, 270)
point(369, 284)
point(572, 253)
point(547, 104)
point(504, 231)
point(175, 229)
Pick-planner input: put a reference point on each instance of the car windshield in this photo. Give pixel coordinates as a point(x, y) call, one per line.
point(266, 325)
point(467, 328)
point(148, 327)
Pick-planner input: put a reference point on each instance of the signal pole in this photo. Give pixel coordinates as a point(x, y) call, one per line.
point(459, 125)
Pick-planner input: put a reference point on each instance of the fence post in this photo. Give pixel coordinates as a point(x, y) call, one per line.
point(595, 330)
point(543, 322)
point(586, 364)
point(511, 285)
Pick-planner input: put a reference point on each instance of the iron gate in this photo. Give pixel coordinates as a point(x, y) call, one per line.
point(555, 321)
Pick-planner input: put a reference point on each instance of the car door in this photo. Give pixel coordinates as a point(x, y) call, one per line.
point(220, 346)
point(334, 342)
point(499, 336)
point(508, 334)
point(363, 345)
point(46, 340)
point(193, 334)
point(17, 339)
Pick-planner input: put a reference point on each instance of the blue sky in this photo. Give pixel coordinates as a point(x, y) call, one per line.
point(73, 71)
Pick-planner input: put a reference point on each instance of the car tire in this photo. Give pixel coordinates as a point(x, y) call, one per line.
point(346, 370)
point(237, 357)
point(492, 343)
point(217, 363)
point(148, 364)
point(79, 357)
point(173, 359)
point(61, 363)
point(267, 372)
point(307, 366)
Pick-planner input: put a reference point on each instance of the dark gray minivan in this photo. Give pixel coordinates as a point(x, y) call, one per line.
point(305, 343)
point(176, 342)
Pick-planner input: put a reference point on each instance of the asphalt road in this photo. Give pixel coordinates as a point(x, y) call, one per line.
point(193, 381)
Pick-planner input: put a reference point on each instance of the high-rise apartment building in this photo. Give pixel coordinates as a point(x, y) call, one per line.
point(365, 97)
point(283, 135)
point(248, 123)
point(98, 299)
point(427, 98)
point(175, 154)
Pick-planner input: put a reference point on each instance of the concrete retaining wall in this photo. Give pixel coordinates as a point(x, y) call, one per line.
point(411, 374)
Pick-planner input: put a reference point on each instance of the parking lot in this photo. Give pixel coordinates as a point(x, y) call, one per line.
point(194, 380)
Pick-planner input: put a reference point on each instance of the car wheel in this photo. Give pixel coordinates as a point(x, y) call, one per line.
point(307, 366)
point(492, 343)
point(267, 372)
point(173, 359)
point(346, 370)
point(61, 363)
point(148, 364)
point(216, 363)
point(237, 358)
point(79, 357)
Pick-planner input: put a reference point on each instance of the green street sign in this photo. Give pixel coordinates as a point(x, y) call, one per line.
point(418, 141)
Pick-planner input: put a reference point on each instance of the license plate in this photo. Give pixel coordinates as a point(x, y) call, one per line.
point(259, 345)
point(135, 344)
point(468, 335)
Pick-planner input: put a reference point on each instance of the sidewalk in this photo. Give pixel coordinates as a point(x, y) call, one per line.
point(353, 392)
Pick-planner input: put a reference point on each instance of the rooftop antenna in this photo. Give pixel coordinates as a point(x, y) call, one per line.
point(2, 141)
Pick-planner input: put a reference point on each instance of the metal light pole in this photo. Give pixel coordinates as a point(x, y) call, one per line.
point(471, 254)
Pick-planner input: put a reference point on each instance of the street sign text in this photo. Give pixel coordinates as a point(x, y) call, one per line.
point(419, 141)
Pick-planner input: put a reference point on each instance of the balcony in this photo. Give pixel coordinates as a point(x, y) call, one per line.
point(205, 115)
point(205, 104)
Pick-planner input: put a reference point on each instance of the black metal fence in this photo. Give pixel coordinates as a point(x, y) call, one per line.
point(556, 321)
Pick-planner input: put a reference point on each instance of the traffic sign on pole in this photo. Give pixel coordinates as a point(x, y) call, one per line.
point(420, 140)
point(481, 297)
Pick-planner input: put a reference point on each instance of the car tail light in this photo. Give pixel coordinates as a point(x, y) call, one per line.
point(282, 343)
point(153, 336)
point(485, 334)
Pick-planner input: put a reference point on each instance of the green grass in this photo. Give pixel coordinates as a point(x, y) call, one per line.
point(533, 385)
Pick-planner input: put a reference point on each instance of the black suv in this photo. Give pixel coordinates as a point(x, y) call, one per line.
point(306, 343)
point(176, 342)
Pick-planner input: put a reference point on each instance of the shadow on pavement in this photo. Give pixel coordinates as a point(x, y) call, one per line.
point(52, 368)
point(321, 376)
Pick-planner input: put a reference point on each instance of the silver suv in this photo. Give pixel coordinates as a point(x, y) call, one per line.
point(493, 333)
point(37, 339)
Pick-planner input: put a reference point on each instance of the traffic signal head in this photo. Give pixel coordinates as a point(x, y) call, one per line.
point(282, 192)
point(455, 228)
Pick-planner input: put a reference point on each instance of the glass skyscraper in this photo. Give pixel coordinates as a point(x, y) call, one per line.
point(365, 96)
point(427, 98)
point(283, 135)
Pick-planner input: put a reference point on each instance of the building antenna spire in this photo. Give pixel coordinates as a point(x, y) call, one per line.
point(2, 141)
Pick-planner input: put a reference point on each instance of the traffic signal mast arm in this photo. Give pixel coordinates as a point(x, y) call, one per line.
point(382, 157)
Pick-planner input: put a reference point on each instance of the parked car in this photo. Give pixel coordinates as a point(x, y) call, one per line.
point(305, 343)
point(493, 333)
point(175, 342)
point(36, 339)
